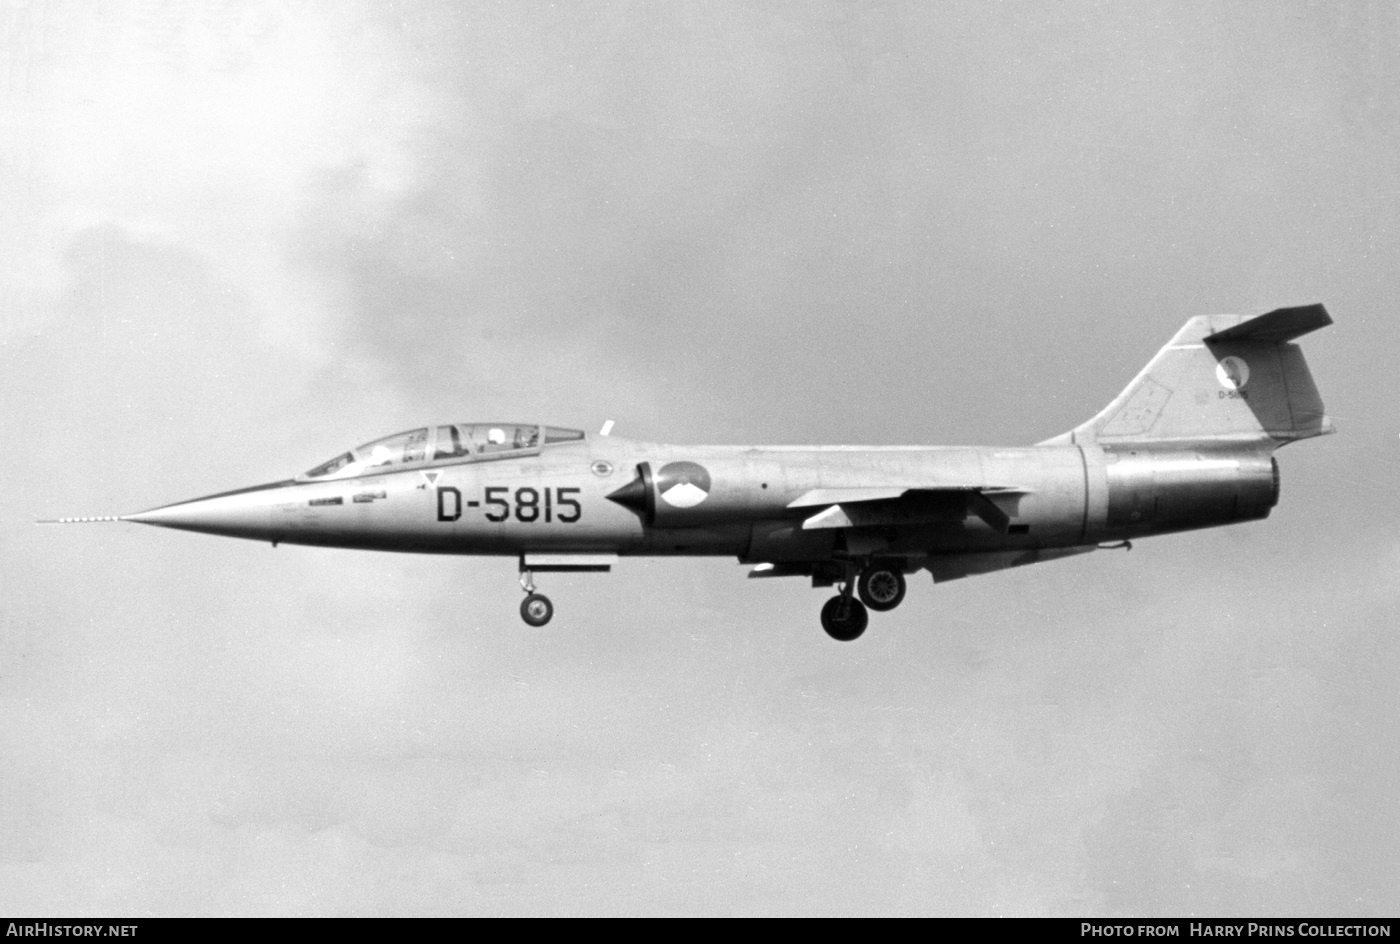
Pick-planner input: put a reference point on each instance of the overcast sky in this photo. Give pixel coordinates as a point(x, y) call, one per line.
point(240, 237)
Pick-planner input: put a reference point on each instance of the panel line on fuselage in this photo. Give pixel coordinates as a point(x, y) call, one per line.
point(1084, 468)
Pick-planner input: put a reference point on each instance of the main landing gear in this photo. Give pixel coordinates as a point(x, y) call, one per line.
point(843, 618)
point(880, 586)
point(535, 609)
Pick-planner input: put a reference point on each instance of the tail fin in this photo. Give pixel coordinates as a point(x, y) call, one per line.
point(1225, 378)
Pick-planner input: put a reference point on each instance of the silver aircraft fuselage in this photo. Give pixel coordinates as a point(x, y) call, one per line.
point(557, 500)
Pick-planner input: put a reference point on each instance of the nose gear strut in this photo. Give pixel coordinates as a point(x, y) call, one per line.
point(536, 609)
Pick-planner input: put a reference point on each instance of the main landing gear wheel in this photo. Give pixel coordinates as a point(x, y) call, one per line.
point(536, 609)
point(881, 587)
point(844, 619)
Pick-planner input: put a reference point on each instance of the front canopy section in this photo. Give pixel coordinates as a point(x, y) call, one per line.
point(442, 445)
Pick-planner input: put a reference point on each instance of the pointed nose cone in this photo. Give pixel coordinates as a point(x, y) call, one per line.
point(246, 513)
point(201, 514)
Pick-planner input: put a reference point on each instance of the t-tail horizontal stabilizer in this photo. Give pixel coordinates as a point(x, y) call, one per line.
point(1281, 324)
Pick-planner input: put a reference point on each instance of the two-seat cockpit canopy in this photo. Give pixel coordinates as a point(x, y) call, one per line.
point(442, 445)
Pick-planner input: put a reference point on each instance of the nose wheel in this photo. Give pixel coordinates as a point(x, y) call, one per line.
point(536, 609)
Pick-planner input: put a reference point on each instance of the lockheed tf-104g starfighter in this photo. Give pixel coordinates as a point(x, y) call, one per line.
point(1188, 444)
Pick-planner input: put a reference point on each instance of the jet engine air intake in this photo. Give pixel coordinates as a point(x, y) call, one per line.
point(676, 495)
point(638, 495)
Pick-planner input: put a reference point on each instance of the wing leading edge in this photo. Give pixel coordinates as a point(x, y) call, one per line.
point(879, 506)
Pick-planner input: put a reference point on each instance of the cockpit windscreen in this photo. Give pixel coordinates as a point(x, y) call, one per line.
point(460, 442)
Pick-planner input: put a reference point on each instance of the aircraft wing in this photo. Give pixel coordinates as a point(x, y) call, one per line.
point(902, 504)
point(821, 497)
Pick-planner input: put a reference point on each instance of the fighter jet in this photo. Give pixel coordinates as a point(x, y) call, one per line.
point(1188, 444)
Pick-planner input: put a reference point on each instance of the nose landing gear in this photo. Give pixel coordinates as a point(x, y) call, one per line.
point(536, 609)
